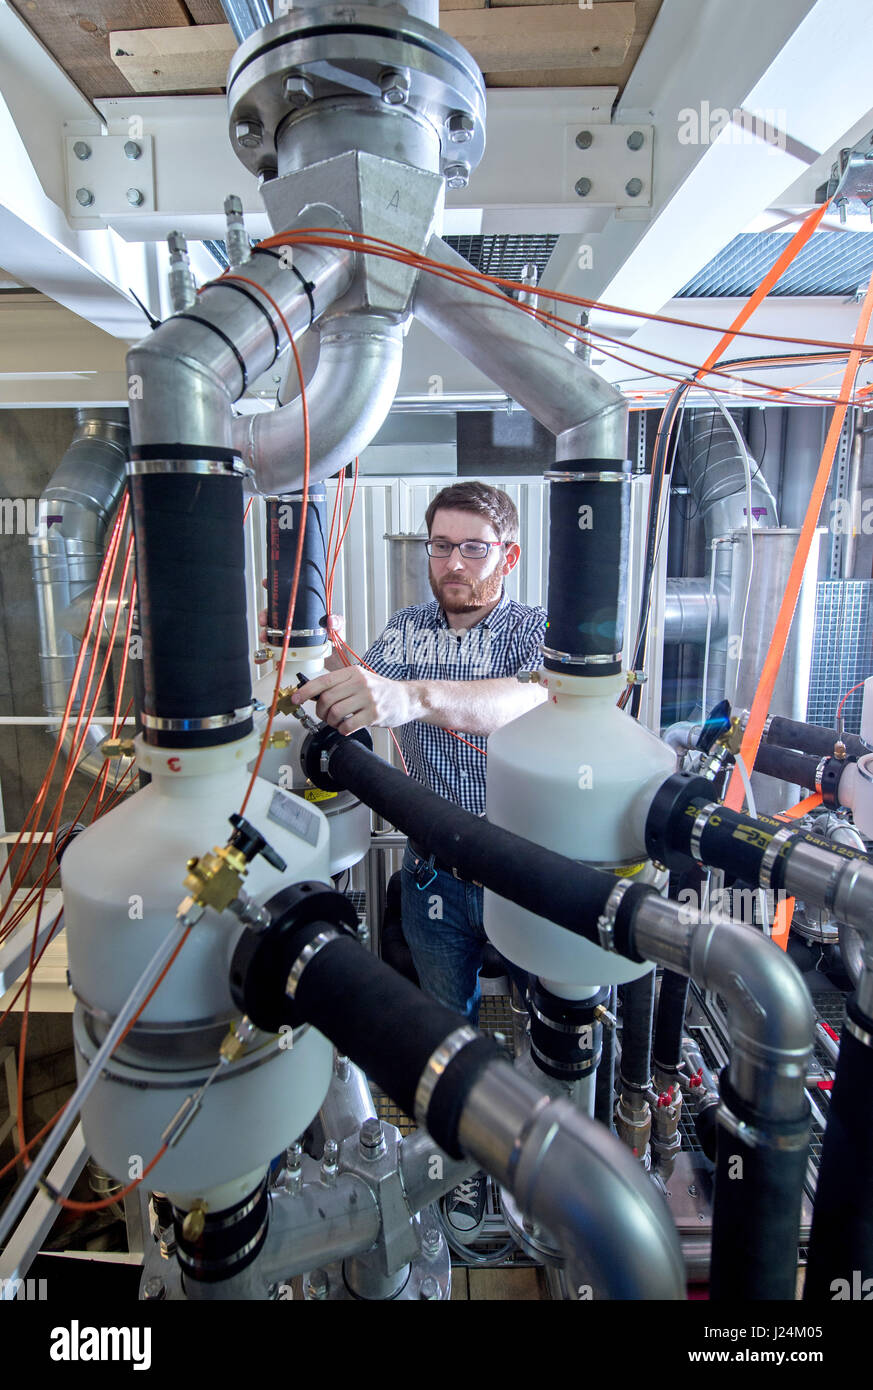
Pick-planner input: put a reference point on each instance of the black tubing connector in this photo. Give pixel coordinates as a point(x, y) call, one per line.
point(566, 1035)
point(283, 532)
point(729, 840)
point(190, 566)
point(817, 774)
point(230, 1241)
point(841, 1244)
point(369, 1011)
point(571, 894)
point(589, 536)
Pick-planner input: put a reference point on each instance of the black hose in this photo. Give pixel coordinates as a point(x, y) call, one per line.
point(800, 768)
point(841, 1244)
point(370, 1012)
point(811, 738)
point(672, 1003)
point(566, 892)
point(637, 1010)
point(760, 1172)
point(589, 535)
point(190, 567)
point(283, 531)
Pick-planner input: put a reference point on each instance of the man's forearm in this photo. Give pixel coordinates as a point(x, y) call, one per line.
point(473, 707)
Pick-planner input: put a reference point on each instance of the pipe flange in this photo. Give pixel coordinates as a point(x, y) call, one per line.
point(435, 1067)
point(606, 920)
point(342, 52)
point(776, 846)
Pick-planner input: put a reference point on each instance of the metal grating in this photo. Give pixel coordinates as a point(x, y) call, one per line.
point(842, 652)
point(831, 263)
point(504, 255)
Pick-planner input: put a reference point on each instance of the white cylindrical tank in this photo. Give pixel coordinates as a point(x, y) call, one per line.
point(577, 775)
point(123, 880)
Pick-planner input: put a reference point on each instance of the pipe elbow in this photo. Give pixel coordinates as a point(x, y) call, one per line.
point(770, 1014)
point(348, 399)
point(591, 1194)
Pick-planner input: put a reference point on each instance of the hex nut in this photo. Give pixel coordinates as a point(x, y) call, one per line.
point(298, 91)
point(132, 150)
point(457, 175)
point(584, 139)
point(460, 127)
point(633, 188)
point(636, 140)
point(394, 87)
point(135, 197)
point(84, 196)
point(583, 187)
point(82, 150)
point(249, 134)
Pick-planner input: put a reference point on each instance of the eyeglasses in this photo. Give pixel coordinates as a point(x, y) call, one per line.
point(470, 550)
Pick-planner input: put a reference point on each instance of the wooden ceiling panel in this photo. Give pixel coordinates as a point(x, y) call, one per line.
point(206, 11)
point(76, 33)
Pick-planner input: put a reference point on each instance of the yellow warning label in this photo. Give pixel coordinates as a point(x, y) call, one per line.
point(629, 870)
point(316, 794)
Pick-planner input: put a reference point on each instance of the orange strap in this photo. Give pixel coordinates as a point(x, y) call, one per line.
point(808, 803)
point(784, 914)
point(780, 265)
point(770, 670)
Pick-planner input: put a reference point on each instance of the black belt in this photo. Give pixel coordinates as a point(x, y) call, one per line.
point(430, 866)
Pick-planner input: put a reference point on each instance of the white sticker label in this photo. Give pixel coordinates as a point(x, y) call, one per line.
point(295, 816)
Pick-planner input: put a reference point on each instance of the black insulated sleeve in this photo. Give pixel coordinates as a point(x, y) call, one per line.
point(841, 1244)
point(283, 532)
point(785, 763)
point(672, 1003)
point(589, 530)
point(190, 566)
point(637, 1008)
point(756, 1209)
point(372, 1014)
point(571, 894)
point(811, 738)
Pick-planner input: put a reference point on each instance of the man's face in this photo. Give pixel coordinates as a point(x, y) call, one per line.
point(462, 585)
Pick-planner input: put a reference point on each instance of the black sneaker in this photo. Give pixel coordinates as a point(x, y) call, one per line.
point(464, 1208)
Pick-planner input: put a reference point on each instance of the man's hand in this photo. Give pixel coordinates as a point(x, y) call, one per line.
point(354, 698)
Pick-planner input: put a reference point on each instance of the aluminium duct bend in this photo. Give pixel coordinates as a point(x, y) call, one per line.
point(347, 399)
point(573, 1177)
point(717, 478)
point(526, 359)
point(67, 555)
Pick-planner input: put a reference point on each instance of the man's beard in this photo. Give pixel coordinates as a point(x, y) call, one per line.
point(466, 599)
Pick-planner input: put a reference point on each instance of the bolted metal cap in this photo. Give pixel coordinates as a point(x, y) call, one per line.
point(371, 1136)
point(249, 134)
point(84, 197)
point(297, 90)
point(636, 140)
point(394, 87)
point(460, 127)
point(135, 197)
point(132, 150)
point(457, 175)
point(82, 150)
point(583, 187)
point(633, 188)
point(584, 139)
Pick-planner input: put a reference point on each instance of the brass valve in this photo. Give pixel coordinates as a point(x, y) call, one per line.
point(237, 1040)
point(732, 738)
point(280, 738)
point(215, 880)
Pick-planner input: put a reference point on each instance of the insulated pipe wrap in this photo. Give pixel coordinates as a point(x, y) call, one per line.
point(547, 884)
point(672, 1003)
point(638, 1002)
point(785, 763)
point(589, 527)
point(841, 1244)
point(811, 738)
point(756, 1208)
point(283, 530)
point(190, 563)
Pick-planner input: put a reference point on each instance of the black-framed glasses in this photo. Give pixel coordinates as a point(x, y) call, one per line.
point(470, 550)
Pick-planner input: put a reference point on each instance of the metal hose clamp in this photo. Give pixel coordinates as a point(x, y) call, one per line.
point(819, 772)
point(701, 821)
point(435, 1067)
point(312, 949)
point(606, 920)
point(771, 854)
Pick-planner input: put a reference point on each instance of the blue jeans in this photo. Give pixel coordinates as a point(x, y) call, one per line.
point(443, 927)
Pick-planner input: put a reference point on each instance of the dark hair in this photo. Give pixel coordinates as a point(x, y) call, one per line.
point(489, 502)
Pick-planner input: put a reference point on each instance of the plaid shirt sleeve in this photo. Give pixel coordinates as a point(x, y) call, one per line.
point(389, 654)
point(528, 639)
